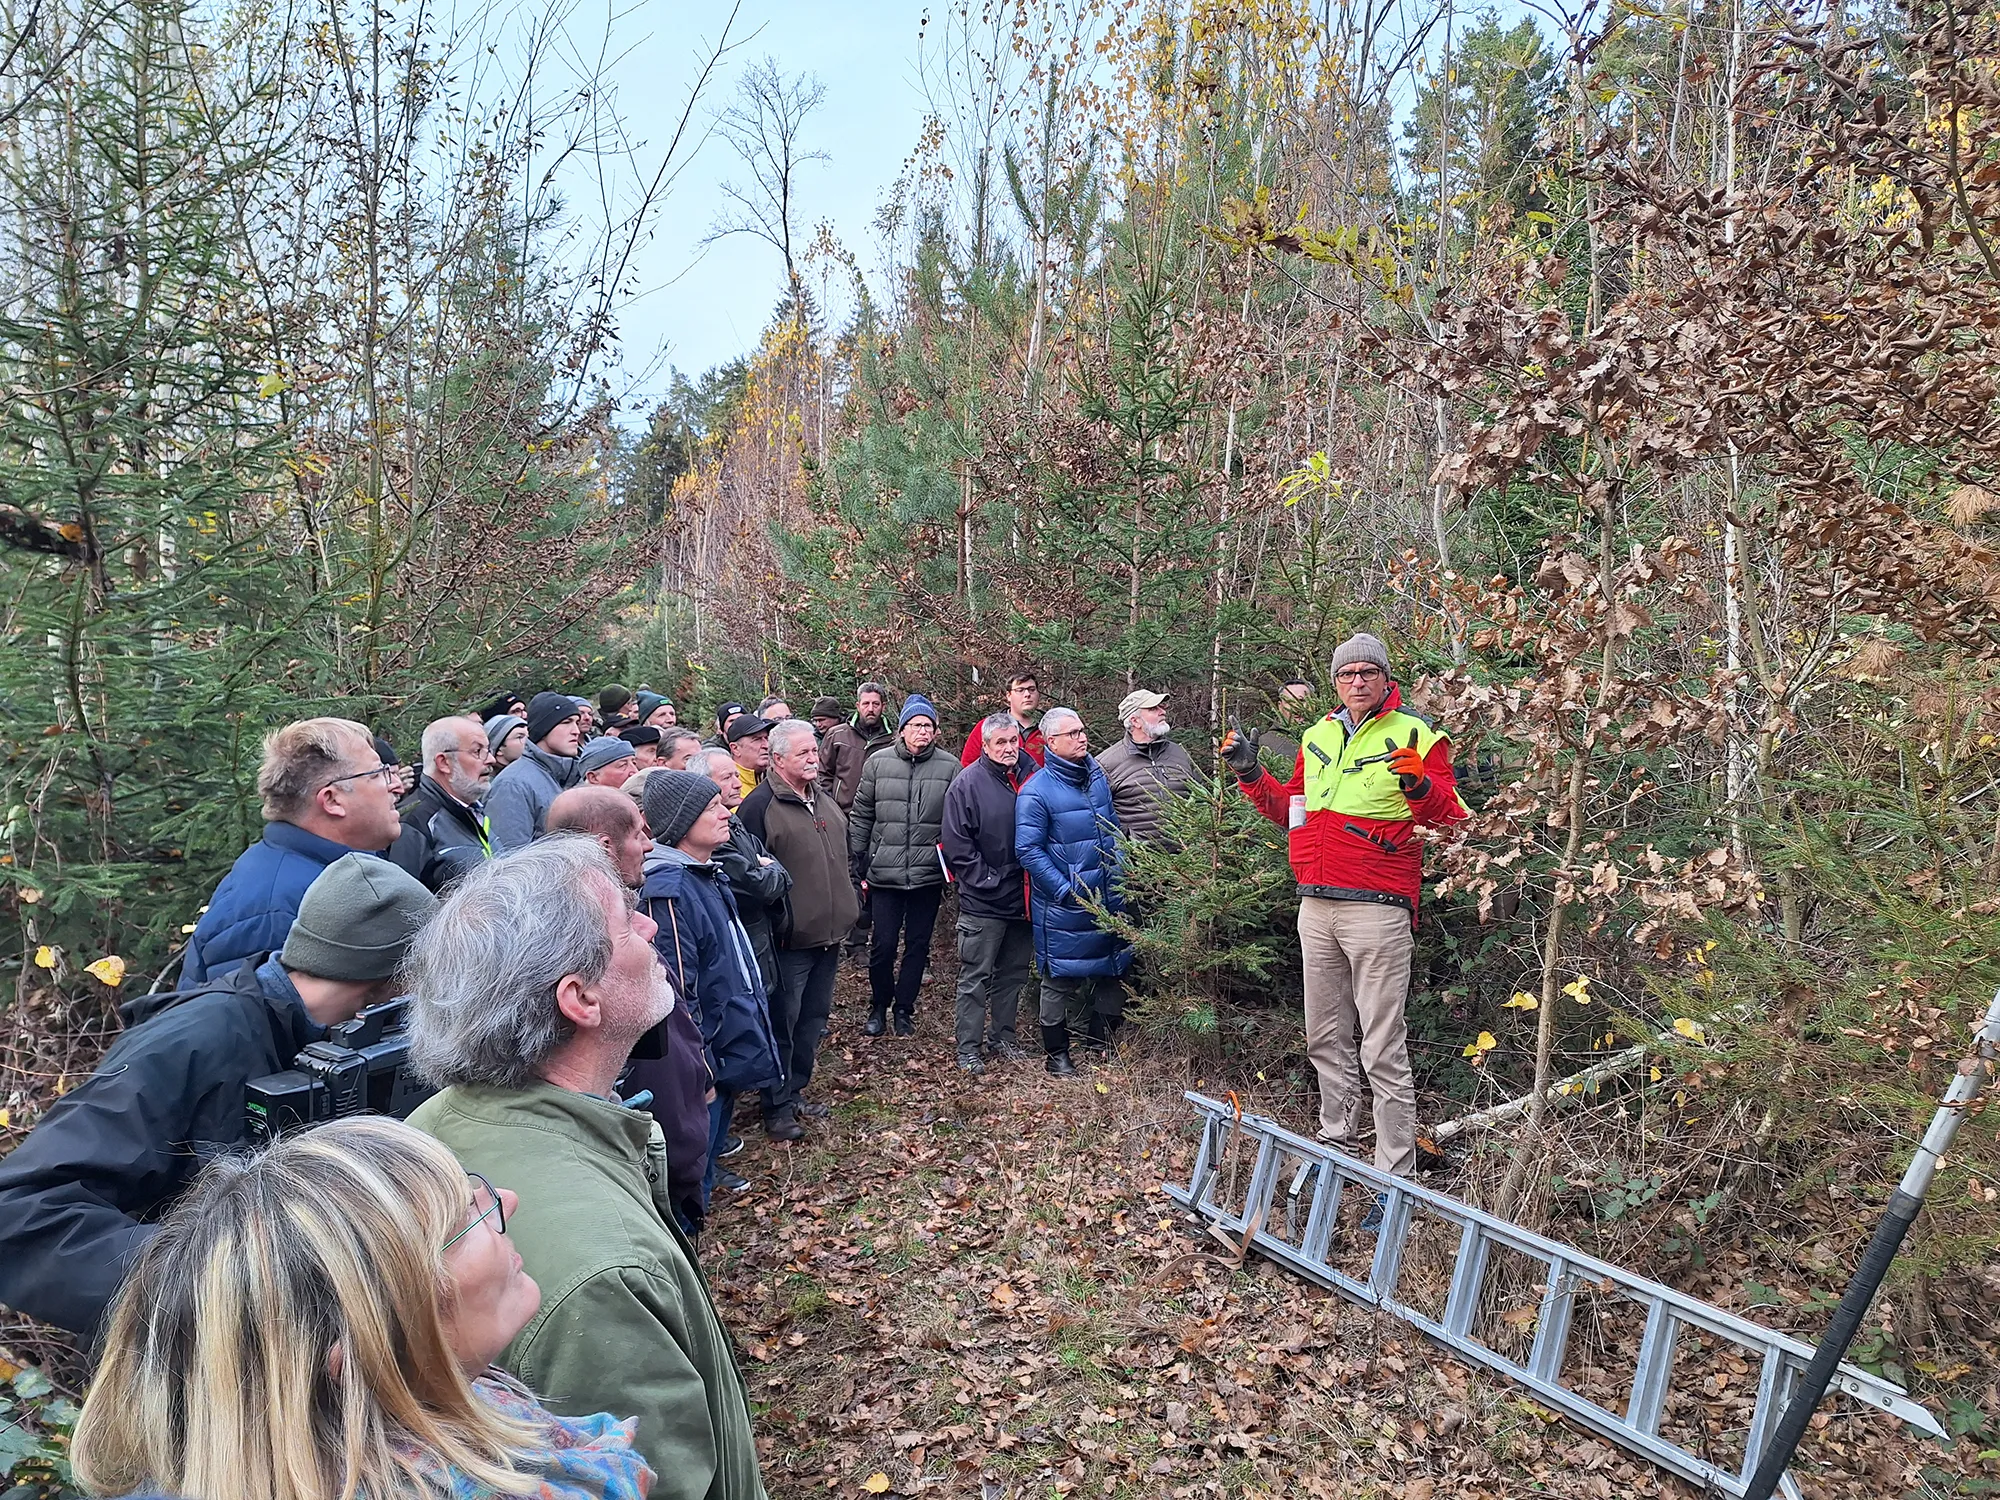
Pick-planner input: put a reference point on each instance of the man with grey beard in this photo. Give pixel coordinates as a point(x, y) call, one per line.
point(539, 981)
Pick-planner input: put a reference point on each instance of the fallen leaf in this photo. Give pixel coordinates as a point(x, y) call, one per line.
point(29, 895)
point(1004, 1295)
point(1522, 1000)
point(1692, 1030)
point(45, 957)
point(1578, 989)
point(110, 969)
point(876, 1483)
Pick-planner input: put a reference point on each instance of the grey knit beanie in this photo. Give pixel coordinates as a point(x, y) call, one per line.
point(1359, 647)
point(357, 920)
point(601, 752)
point(499, 727)
point(674, 799)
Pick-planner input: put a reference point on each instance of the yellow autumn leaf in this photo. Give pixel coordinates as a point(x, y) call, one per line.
point(271, 384)
point(1522, 1000)
point(1102, 1089)
point(45, 957)
point(6, 1117)
point(1692, 1030)
point(1578, 989)
point(110, 969)
point(876, 1483)
point(1656, 1075)
point(1484, 1044)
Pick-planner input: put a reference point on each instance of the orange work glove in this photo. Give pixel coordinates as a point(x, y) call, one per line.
point(1408, 764)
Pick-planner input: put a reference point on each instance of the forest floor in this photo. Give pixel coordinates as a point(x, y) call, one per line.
point(973, 1286)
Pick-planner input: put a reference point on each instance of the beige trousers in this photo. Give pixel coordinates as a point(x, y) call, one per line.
point(1357, 960)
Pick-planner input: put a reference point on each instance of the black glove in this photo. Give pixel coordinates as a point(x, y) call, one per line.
point(857, 866)
point(1239, 750)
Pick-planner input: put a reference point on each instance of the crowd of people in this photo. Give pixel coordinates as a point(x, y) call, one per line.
point(612, 932)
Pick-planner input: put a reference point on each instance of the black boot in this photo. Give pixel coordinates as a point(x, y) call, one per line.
point(1055, 1042)
point(906, 1022)
point(1095, 1045)
point(877, 1022)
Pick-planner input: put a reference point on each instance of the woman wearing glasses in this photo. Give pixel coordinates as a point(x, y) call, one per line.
point(318, 1321)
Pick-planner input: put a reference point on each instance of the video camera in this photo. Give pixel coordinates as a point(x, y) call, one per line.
point(361, 1067)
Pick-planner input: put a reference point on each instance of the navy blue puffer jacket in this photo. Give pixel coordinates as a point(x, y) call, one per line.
point(1066, 837)
point(709, 956)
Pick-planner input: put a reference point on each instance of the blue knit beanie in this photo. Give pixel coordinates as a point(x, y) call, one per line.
point(917, 706)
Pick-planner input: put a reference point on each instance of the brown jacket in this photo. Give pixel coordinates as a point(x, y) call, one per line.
point(842, 751)
point(1143, 779)
point(811, 843)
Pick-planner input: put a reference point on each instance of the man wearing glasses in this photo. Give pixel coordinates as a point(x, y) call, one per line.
point(444, 819)
point(1368, 776)
point(1066, 837)
point(326, 793)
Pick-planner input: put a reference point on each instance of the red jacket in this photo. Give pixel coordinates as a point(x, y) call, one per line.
point(1031, 745)
point(1357, 840)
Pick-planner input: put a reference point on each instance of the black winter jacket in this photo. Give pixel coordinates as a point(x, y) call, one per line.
point(760, 892)
point(78, 1196)
point(442, 838)
point(897, 816)
point(978, 840)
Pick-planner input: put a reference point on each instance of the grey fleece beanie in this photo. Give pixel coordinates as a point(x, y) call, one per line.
point(1356, 648)
point(673, 800)
point(499, 727)
point(357, 920)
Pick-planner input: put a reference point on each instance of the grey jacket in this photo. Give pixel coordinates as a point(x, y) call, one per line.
point(1143, 778)
point(518, 806)
point(898, 817)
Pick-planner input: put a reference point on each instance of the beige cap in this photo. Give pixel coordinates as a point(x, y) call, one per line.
point(1137, 699)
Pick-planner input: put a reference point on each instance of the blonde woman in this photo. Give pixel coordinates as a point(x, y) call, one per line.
point(317, 1322)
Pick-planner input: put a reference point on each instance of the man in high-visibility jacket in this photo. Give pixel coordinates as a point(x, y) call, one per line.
point(1367, 777)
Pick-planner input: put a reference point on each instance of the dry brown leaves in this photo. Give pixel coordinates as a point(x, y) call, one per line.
point(973, 1287)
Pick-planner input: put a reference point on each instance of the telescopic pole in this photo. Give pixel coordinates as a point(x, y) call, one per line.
point(1973, 1072)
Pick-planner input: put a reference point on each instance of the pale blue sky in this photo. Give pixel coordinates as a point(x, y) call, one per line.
point(705, 306)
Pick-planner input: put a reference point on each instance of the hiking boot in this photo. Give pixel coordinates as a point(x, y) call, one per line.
point(731, 1144)
point(1059, 1065)
point(784, 1127)
point(728, 1180)
point(1371, 1222)
point(969, 1060)
point(812, 1109)
point(877, 1022)
point(906, 1023)
point(1005, 1051)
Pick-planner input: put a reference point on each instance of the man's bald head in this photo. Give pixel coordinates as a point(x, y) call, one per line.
point(610, 817)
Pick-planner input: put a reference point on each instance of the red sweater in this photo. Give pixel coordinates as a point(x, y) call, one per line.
point(1031, 745)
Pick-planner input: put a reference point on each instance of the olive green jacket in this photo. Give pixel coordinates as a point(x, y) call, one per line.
point(626, 1325)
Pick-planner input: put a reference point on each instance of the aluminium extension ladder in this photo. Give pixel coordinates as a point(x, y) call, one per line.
point(1564, 1300)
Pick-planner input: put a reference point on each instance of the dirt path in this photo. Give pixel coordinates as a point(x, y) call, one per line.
point(972, 1287)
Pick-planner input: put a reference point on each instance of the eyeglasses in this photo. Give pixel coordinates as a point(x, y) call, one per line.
point(1357, 674)
point(1069, 734)
point(492, 1211)
point(384, 774)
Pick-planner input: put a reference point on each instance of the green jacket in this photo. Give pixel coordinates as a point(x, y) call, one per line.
point(898, 817)
point(626, 1324)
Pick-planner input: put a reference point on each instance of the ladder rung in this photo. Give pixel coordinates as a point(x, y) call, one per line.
point(1655, 1369)
point(1545, 1360)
